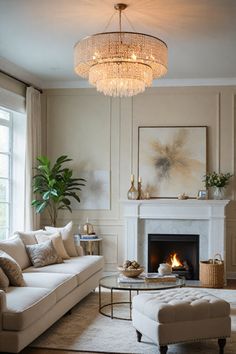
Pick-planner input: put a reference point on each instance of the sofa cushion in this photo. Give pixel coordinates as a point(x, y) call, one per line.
point(56, 241)
point(67, 237)
point(43, 254)
point(4, 281)
point(61, 283)
point(12, 269)
point(16, 249)
point(28, 238)
point(26, 305)
point(83, 267)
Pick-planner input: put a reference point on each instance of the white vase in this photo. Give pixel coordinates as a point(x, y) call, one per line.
point(164, 269)
point(218, 192)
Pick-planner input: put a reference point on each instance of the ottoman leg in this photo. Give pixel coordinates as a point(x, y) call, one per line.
point(163, 349)
point(139, 335)
point(221, 342)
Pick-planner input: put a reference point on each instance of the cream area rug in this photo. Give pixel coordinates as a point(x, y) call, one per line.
point(87, 330)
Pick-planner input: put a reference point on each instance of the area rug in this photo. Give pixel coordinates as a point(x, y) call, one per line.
point(87, 330)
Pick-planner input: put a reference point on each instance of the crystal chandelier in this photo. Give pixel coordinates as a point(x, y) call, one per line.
point(120, 63)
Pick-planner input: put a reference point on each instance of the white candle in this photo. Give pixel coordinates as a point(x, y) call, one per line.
point(140, 179)
point(132, 178)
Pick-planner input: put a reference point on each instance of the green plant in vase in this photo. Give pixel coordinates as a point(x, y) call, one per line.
point(218, 182)
point(54, 187)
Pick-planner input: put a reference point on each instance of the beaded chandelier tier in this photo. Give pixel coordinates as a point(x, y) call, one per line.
point(120, 63)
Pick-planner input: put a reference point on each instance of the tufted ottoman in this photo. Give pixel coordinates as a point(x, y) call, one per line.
point(181, 315)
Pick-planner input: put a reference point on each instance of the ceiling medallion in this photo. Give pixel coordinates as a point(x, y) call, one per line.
point(120, 63)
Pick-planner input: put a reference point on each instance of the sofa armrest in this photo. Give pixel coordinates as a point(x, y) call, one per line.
point(80, 250)
point(2, 305)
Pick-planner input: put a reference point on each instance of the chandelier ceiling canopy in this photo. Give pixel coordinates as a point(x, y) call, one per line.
point(120, 63)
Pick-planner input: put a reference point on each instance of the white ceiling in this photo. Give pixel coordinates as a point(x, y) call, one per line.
point(38, 35)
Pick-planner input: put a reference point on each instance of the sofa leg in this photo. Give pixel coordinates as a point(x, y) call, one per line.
point(221, 342)
point(139, 335)
point(163, 349)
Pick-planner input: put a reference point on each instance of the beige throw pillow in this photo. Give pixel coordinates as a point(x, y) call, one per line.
point(16, 249)
point(43, 254)
point(67, 237)
point(28, 238)
point(56, 241)
point(12, 269)
point(4, 281)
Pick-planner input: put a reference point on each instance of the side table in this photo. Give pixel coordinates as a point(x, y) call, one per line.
point(90, 246)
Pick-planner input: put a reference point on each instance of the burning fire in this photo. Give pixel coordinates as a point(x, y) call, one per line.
point(174, 261)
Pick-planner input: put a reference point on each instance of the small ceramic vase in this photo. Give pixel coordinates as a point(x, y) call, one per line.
point(164, 269)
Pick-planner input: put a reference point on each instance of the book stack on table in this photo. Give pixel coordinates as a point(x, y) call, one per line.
point(149, 278)
point(88, 237)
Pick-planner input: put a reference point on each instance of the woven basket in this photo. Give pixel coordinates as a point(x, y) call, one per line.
point(212, 273)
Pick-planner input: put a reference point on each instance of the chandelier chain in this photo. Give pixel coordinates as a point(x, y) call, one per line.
point(109, 22)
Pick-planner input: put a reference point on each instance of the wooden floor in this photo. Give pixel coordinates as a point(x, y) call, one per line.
point(231, 284)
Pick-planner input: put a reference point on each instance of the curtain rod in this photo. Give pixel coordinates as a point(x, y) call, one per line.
point(23, 82)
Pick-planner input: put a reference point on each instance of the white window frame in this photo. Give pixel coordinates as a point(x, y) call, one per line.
point(9, 124)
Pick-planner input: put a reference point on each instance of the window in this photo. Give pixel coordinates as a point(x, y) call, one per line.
point(12, 171)
point(5, 172)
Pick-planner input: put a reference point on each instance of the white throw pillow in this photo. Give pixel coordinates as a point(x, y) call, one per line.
point(56, 241)
point(67, 237)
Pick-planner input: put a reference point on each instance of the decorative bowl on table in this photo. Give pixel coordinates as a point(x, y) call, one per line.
point(130, 273)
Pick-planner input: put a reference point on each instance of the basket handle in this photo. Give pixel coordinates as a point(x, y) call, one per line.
point(214, 258)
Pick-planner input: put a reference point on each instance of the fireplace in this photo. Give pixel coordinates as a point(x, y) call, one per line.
point(182, 251)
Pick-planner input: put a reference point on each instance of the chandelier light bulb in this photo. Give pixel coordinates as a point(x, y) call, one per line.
point(120, 64)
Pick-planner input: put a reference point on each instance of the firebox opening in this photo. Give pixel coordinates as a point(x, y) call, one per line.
point(181, 251)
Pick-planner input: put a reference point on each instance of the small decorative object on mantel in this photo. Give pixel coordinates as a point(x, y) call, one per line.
point(202, 195)
point(183, 196)
point(140, 191)
point(218, 183)
point(132, 192)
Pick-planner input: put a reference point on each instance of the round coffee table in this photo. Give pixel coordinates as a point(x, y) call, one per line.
point(112, 283)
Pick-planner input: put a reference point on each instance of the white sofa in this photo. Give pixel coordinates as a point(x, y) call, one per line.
point(49, 292)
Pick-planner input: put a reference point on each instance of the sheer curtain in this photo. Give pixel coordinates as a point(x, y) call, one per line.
point(33, 150)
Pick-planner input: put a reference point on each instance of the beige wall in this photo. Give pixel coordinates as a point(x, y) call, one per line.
point(100, 133)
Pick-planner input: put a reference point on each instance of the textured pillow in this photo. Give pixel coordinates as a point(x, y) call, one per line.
point(56, 241)
point(67, 237)
point(16, 249)
point(43, 254)
point(4, 281)
point(12, 269)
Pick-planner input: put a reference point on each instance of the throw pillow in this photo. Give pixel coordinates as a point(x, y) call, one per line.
point(67, 237)
point(43, 254)
point(28, 238)
point(4, 281)
point(12, 269)
point(16, 249)
point(56, 241)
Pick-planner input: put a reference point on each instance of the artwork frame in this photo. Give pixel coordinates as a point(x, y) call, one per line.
point(172, 160)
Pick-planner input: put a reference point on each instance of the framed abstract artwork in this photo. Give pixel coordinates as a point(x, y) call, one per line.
point(172, 160)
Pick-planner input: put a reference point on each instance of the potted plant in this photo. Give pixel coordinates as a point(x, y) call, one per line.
point(217, 181)
point(54, 187)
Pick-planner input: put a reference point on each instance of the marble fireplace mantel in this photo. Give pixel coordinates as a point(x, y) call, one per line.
point(212, 211)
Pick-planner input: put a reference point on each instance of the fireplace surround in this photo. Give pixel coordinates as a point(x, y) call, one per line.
point(150, 216)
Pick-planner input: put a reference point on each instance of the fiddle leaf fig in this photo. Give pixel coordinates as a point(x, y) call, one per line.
point(55, 187)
